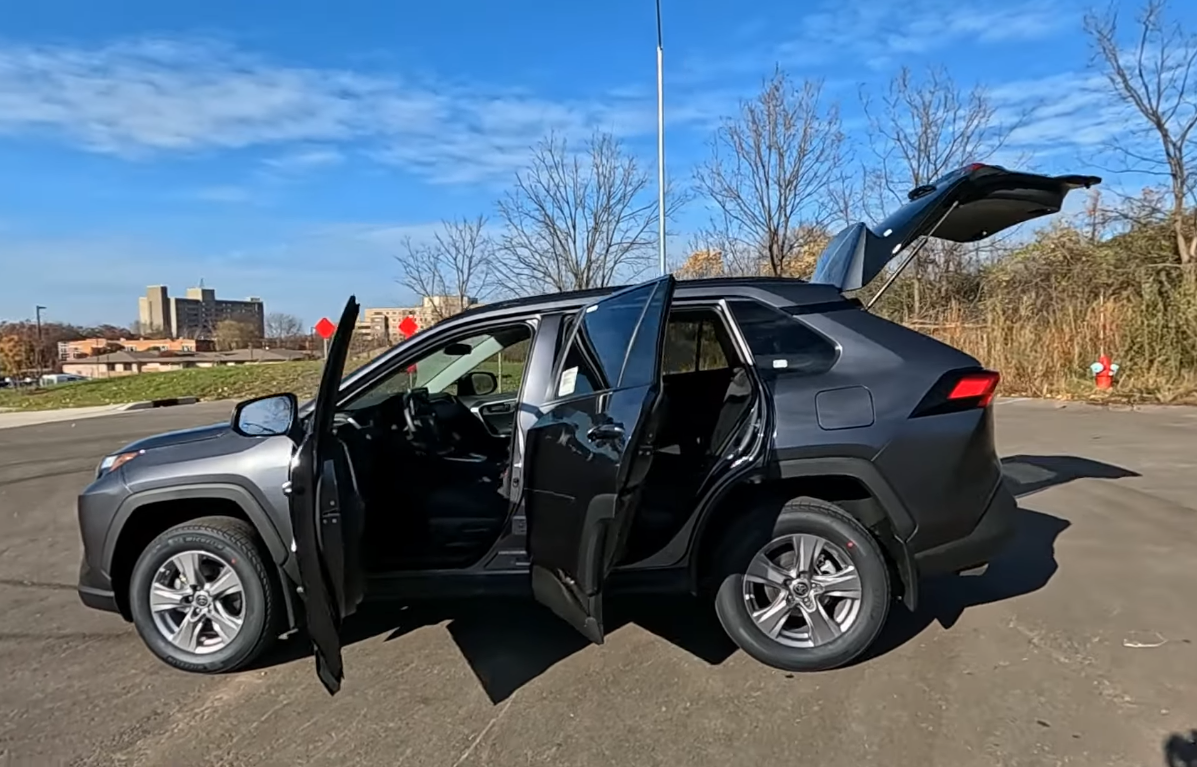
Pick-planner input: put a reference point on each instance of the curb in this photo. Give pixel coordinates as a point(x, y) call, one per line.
point(159, 403)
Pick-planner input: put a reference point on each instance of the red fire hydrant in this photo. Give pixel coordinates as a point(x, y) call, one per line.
point(1103, 372)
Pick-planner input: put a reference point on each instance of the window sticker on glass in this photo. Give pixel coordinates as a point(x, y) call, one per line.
point(569, 380)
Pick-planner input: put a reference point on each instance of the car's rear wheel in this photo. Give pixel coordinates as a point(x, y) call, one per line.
point(202, 597)
point(810, 594)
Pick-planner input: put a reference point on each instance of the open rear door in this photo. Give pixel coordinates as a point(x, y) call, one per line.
point(588, 453)
point(327, 516)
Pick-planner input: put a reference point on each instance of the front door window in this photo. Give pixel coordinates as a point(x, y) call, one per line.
point(453, 367)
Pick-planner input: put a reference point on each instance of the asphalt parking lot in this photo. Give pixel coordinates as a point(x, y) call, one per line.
point(1077, 648)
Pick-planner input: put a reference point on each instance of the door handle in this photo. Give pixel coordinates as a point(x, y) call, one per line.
point(605, 431)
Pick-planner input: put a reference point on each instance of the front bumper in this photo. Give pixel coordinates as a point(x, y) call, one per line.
point(994, 530)
point(95, 590)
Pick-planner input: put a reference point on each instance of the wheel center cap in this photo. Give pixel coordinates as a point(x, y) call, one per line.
point(202, 600)
point(801, 588)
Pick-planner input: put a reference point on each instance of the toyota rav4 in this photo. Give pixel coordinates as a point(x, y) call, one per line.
point(765, 443)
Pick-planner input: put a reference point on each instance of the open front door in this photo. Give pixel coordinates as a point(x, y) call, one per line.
point(588, 453)
point(327, 516)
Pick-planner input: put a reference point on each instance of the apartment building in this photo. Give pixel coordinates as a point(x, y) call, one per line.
point(195, 314)
point(90, 347)
point(125, 363)
point(383, 323)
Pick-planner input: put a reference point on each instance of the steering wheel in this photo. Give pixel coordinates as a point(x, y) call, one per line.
point(421, 421)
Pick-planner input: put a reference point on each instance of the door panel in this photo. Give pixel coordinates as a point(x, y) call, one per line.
point(497, 411)
point(589, 452)
point(327, 516)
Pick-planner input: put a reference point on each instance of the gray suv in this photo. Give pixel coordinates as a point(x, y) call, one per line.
point(764, 443)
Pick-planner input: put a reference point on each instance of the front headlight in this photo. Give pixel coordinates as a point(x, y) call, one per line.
point(116, 461)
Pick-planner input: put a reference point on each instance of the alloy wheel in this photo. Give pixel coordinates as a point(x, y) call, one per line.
point(802, 590)
point(197, 602)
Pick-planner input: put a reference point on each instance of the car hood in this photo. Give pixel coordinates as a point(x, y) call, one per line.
point(180, 437)
point(967, 205)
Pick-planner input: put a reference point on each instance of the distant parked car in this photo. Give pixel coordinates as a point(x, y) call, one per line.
point(50, 379)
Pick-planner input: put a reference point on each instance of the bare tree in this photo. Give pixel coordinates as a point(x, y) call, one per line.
point(919, 130)
point(770, 173)
point(1155, 78)
point(281, 326)
point(578, 220)
point(144, 330)
point(923, 129)
point(233, 334)
point(455, 270)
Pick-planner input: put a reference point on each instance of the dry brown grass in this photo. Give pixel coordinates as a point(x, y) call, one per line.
point(1046, 350)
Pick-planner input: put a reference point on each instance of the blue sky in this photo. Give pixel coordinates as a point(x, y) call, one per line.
point(286, 149)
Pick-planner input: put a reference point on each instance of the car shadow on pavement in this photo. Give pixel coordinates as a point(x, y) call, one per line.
point(1028, 474)
point(1025, 566)
point(1180, 750)
point(509, 642)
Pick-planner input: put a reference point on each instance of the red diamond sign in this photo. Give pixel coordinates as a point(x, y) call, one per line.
point(325, 328)
point(408, 327)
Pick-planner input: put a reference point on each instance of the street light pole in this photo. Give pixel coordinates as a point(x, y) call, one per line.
point(660, 141)
point(37, 310)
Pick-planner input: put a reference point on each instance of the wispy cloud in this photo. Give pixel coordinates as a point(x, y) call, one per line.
point(302, 160)
point(879, 34)
point(143, 98)
point(1069, 111)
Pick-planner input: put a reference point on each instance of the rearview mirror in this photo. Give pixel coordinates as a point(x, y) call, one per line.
point(458, 350)
point(269, 416)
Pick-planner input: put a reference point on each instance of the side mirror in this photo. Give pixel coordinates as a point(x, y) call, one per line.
point(269, 416)
point(482, 383)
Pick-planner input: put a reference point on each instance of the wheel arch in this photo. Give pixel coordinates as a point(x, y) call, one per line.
point(146, 514)
point(854, 484)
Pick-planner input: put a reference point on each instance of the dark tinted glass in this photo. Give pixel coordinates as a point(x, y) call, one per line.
point(643, 362)
point(681, 346)
point(607, 330)
point(837, 261)
point(781, 343)
point(692, 344)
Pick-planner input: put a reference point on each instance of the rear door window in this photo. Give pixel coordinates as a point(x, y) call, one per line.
point(692, 344)
point(615, 345)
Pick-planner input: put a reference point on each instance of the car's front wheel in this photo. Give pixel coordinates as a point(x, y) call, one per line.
point(202, 597)
point(810, 594)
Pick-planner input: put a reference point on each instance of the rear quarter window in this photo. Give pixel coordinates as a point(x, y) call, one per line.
point(780, 342)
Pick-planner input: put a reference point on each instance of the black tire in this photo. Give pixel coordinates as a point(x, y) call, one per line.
point(812, 517)
point(236, 543)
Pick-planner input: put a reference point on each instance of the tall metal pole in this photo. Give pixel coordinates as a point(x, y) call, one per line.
point(37, 310)
point(660, 141)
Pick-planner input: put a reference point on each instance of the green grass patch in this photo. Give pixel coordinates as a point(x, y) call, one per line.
point(231, 382)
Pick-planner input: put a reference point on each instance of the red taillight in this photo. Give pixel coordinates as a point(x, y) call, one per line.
point(980, 386)
point(959, 391)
